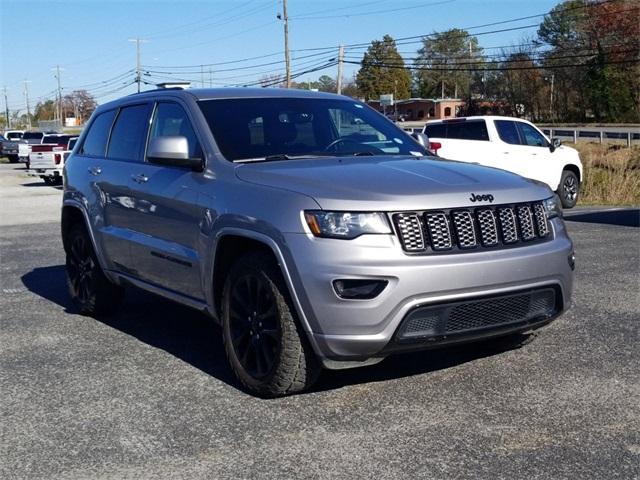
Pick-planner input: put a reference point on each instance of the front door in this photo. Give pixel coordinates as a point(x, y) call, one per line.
point(168, 217)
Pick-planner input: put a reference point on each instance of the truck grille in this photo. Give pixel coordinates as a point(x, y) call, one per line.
point(469, 229)
point(483, 313)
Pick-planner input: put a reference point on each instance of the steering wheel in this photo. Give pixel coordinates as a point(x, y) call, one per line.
point(338, 141)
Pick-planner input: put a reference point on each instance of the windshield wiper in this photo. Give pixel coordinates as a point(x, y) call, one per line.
point(279, 156)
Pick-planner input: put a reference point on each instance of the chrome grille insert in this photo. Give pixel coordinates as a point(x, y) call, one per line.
point(525, 219)
point(439, 233)
point(465, 231)
point(410, 231)
point(541, 220)
point(508, 227)
point(488, 227)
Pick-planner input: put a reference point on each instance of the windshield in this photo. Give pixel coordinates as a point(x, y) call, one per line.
point(14, 136)
point(281, 128)
point(32, 137)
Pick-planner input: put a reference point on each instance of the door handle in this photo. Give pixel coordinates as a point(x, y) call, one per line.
point(140, 178)
point(95, 170)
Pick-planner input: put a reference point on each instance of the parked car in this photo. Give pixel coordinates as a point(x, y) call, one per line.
point(14, 135)
point(47, 159)
point(8, 149)
point(312, 242)
point(510, 144)
point(24, 147)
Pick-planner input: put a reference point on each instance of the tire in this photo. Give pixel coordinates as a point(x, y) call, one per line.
point(569, 189)
point(13, 159)
point(47, 180)
point(266, 347)
point(92, 293)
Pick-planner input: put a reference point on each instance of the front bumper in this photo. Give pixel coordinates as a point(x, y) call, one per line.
point(354, 330)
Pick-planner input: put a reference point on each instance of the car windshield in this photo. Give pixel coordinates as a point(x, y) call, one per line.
point(14, 135)
point(283, 128)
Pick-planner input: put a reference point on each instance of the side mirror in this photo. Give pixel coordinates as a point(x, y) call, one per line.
point(422, 139)
point(174, 151)
point(555, 143)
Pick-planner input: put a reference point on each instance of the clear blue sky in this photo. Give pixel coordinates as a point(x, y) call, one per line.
point(89, 38)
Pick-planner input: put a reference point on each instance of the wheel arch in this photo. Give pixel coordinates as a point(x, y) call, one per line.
point(234, 242)
point(572, 168)
point(72, 214)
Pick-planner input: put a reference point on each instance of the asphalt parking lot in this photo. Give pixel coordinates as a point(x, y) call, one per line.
point(148, 394)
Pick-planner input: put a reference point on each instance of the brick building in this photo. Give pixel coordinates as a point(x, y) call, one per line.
point(416, 109)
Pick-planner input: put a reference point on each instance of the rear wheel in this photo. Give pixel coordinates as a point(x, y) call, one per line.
point(267, 349)
point(90, 290)
point(569, 189)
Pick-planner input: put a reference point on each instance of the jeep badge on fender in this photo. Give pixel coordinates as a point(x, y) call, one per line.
point(481, 198)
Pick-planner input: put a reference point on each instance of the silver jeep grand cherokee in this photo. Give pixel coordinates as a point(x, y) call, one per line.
point(311, 228)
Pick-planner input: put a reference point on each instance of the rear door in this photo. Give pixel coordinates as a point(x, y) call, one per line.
point(168, 217)
point(111, 176)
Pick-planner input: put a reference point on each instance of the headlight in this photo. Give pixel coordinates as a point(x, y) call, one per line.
point(345, 225)
point(552, 207)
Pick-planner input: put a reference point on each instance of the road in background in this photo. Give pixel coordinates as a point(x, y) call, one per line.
point(147, 393)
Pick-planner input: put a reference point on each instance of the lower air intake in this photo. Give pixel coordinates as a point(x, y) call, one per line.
point(472, 315)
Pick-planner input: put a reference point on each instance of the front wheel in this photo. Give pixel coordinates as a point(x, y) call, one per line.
point(91, 291)
point(569, 189)
point(267, 349)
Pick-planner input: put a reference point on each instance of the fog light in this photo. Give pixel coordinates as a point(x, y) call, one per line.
point(572, 260)
point(359, 289)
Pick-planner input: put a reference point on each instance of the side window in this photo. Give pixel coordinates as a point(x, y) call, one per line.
point(129, 133)
point(465, 130)
point(436, 130)
point(531, 136)
point(95, 143)
point(508, 131)
point(170, 119)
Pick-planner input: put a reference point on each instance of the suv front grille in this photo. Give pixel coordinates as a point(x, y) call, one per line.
point(469, 229)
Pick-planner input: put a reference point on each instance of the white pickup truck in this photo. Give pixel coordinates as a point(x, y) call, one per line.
point(46, 160)
point(511, 144)
point(24, 147)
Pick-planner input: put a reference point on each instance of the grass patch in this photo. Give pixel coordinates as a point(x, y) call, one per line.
point(611, 174)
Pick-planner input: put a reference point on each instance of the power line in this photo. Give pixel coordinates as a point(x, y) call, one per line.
point(390, 10)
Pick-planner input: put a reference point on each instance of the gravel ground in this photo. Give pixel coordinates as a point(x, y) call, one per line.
point(147, 393)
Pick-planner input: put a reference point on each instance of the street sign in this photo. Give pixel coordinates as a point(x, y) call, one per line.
point(386, 100)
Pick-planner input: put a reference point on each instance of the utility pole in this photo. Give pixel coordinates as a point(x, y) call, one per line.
point(202, 76)
point(210, 78)
point(287, 58)
point(6, 108)
point(26, 96)
point(138, 41)
point(553, 76)
point(340, 63)
point(59, 109)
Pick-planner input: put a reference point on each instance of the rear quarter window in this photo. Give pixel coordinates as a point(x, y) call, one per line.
point(95, 143)
point(462, 130)
point(438, 130)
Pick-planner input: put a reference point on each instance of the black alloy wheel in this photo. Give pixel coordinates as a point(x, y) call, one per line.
point(90, 289)
point(254, 326)
point(81, 269)
point(266, 346)
point(569, 189)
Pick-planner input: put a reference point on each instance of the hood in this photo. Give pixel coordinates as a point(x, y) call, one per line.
point(393, 183)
